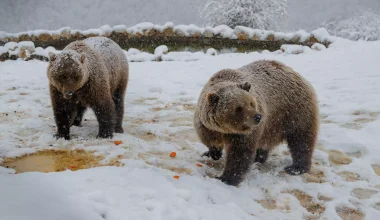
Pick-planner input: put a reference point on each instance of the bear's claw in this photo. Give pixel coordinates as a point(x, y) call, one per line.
point(214, 153)
point(296, 170)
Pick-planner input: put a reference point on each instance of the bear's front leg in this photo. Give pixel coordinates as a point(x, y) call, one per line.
point(63, 110)
point(105, 114)
point(239, 157)
point(212, 139)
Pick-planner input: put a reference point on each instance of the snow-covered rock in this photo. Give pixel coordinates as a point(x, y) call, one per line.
point(318, 46)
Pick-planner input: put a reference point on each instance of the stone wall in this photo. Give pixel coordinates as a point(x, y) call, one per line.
point(147, 36)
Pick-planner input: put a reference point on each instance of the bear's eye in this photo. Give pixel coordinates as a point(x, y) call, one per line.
point(239, 109)
point(251, 104)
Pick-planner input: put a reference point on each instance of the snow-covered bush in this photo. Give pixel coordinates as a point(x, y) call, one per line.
point(261, 14)
point(364, 25)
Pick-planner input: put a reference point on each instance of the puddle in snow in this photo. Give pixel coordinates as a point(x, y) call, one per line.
point(53, 161)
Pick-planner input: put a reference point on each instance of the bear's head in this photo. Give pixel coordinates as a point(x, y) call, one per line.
point(67, 72)
point(233, 109)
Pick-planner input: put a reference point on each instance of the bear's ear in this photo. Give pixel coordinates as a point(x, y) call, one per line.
point(52, 56)
point(245, 86)
point(212, 98)
point(82, 57)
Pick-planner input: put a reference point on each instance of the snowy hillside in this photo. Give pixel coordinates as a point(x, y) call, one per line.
point(160, 100)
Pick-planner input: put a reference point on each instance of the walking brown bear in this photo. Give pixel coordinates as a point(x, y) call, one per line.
point(88, 73)
point(250, 110)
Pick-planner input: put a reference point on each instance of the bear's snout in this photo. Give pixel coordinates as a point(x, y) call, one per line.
point(257, 118)
point(68, 94)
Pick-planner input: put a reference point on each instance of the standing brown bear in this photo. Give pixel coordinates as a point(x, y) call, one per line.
point(89, 73)
point(251, 110)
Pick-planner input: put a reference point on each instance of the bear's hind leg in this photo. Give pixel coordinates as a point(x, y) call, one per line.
point(118, 99)
point(79, 115)
point(105, 114)
point(301, 146)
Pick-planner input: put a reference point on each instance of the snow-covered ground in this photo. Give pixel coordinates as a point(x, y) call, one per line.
point(158, 120)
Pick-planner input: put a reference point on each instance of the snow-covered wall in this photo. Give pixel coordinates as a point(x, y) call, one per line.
point(23, 15)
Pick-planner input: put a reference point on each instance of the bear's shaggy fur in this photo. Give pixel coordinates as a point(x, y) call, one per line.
point(89, 73)
point(251, 110)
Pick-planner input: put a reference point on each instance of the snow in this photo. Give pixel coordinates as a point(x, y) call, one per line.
point(223, 30)
point(44, 52)
point(211, 51)
point(26, 44)
point(11, 45)
point(318, 46)
point(163, 27)
point(292, 49)
point(160, 50)
point(105, 30)
point(159, 101)
point(119, 28)
point(90, 32)
point(139, 28)
point(303, 35)
point(3, 50)
point(189, 30)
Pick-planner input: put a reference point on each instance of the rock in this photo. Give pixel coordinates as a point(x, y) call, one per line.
point(168, 32)
point(338, 158)
point(208, 34)
point(255, 37)
point(56, 36)
point(25, 37)
point(377, 206)
point(77, 36)
point(44, 37)
point(149, 32)
point(211, 52)
point(270, 37)
point(376, 168)
point(295, 39)
point(313, 40)
point(66, 33)
point(242, 36)
point(196, 35)
point(292, 49)
point(363, 193)
point(318, 47)
point(179, 33)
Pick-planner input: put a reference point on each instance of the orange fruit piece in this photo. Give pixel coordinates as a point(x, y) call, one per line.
point(117, 142)
point(176, 177)
point(173, 154)
point(73, 167)
point(199, 165)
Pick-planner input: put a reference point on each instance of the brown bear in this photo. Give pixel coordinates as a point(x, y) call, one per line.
point(88, 73)
point(251, 110)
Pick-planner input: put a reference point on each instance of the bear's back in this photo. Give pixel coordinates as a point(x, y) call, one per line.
point(106, 48)
point(275, 79)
